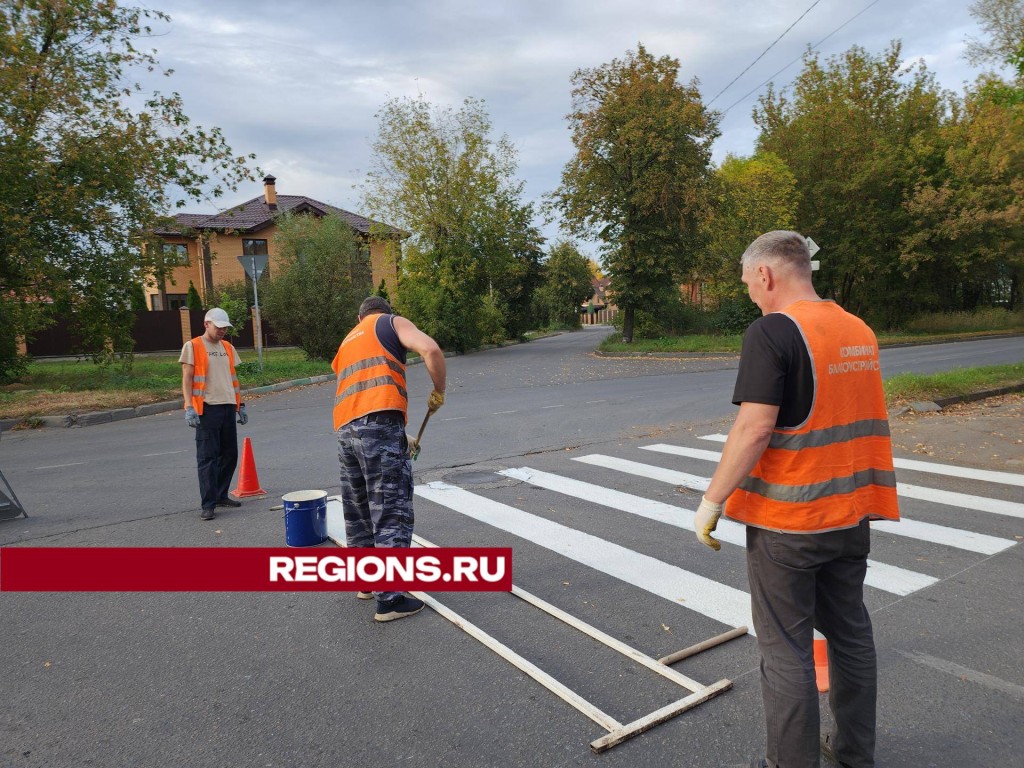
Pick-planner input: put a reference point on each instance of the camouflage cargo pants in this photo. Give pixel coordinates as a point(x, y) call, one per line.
point(376, 483)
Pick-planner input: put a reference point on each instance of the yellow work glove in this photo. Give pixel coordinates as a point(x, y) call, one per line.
point(435, 401)
point(706, 521)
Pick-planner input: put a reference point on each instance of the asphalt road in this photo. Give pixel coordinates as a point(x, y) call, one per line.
point(310, 680)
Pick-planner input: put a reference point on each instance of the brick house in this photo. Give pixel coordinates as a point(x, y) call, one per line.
point(208, 246)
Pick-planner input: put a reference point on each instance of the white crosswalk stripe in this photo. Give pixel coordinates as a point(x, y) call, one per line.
point(889, 578)
point(946, 470)
point(691, 590)
point(915, 529)
point(698, 593)
point(949, 498)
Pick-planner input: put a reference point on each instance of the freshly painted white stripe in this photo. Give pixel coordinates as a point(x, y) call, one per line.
point(455, 418)
point(936, 534)
point(949, 470)
point(888, 578)
point(553, 406)
point(502, 413)
point(966, 673)
point(59, 466)
point(591, 402)
point(706, 596)
point(164, 453)
point(949, 498)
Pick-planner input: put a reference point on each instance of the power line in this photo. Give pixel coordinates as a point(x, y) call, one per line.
point(798, 58)
point(763, 53)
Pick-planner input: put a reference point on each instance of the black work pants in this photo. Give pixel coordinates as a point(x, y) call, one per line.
point(216, 452)
point(799, 582)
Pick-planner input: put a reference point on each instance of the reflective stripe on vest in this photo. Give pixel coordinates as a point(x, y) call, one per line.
point(201, 368)
point(370, 379)
point(836, 468)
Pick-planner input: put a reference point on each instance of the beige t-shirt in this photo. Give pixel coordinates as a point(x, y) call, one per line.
point(219, 390)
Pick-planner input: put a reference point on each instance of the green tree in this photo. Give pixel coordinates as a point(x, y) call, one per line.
point(313, 299)
point(859, 134)
point(89, 163)
point(639, 180)
point(967, 243)
point(1003, 21)
point(192, 300)
point(438, 175)
point(567, 284)
point(754, 195)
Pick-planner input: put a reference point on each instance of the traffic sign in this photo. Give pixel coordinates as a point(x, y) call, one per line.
point(812, 246)
point(253, 265)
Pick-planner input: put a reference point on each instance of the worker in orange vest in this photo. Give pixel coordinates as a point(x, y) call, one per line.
point(807, 464)
point(213, 402)
point(371, 409)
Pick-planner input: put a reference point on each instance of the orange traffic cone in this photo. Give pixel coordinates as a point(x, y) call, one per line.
point(821, 663)
point(248, 481)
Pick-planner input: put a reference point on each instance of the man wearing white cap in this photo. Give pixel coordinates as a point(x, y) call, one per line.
point(213, 400)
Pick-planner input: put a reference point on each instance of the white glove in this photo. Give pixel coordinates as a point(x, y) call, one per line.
point(706, 520)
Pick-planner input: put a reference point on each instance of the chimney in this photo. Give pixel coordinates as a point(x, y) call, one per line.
point(269, 191)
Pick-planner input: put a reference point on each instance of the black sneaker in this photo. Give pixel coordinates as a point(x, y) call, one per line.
point(227, 502)
point(207, 514)
point(398, 608)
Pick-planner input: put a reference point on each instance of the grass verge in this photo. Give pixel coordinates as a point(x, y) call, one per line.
point(81, 386)
point(905, 387)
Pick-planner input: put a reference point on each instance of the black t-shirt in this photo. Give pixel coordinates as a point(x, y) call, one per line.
point(776, 369)
point(387, 335)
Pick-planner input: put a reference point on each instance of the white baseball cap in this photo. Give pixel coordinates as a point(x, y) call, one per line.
point(218, 317)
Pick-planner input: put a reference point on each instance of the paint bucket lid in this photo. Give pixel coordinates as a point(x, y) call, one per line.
point(300, 496)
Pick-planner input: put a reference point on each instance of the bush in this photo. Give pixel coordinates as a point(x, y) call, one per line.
point(734, 316)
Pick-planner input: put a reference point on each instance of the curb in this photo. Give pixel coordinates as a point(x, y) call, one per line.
point(932, 406)
point(148, 409)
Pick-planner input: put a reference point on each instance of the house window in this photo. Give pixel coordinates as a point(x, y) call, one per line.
point(254, 247)
point(176, 253)
point(174, 301)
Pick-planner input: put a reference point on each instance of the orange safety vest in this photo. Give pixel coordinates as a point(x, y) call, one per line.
point(201, 369)
point(370, 378)
point(836, 468)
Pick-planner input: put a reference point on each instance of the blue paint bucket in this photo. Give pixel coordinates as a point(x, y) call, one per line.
point(305, 518)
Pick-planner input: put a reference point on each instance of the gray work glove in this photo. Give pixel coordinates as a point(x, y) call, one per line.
point(191, 417)
point(706, 521)
point(243, 417)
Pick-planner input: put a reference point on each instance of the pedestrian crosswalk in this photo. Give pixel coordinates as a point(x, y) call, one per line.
point(683, 586)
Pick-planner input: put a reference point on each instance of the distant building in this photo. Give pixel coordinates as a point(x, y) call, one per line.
point(207, 246)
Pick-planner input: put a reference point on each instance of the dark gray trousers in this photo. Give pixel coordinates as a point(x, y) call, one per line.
point(216, 452)
point(799, 582)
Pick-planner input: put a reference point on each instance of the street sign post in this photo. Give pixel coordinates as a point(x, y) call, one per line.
point(254, 266)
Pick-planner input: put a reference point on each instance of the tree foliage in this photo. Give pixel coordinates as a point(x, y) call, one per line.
point(639, 179)
point(438, 175)
point(567, 284)
point(753, 195)
point(859, 134)
point(313, 299)
point(89, 163)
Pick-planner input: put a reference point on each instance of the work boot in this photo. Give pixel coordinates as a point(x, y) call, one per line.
point(228, 502)
point(397, 608)
point(207, 514)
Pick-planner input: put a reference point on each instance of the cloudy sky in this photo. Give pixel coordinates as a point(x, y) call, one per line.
point(298, 82)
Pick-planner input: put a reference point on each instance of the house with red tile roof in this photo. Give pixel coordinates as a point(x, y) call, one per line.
point(207, 246)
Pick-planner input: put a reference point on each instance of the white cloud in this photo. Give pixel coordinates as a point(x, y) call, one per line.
point(299, 83)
